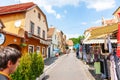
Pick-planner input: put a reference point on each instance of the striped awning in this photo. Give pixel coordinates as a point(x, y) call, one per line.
point(98, 41)
point(102, 31)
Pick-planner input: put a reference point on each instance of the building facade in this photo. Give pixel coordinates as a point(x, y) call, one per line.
point(53, 38)
point(27, 22)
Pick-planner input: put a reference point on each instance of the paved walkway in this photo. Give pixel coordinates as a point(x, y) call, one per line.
point(67, 67)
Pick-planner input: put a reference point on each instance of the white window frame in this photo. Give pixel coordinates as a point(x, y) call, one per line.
point(29, 47)
point(38, 49)
point(43, 50)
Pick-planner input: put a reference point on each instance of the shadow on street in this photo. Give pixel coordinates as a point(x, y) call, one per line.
point(46, 77)
point(49, 61)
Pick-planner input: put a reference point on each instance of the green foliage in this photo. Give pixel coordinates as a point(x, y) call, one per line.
point(77, 40)
point(31, 66)
point(23, 44)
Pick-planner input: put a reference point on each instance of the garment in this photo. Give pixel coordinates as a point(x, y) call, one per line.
point(97, 67)
point(4, 76)
point(112, 68)
point(117, 63)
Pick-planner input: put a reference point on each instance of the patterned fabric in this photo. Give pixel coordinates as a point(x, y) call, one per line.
point(113, 68)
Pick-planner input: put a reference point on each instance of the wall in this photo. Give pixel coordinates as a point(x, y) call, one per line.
point(9, 22)
point(38, 22)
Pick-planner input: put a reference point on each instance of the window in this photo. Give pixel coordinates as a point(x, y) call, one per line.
point(38, 31)
point(31, 27)
point(38, 49)
point(43, 51)
point(34, 11)
point(43, 34)
point(30, 49)
point(39, 16)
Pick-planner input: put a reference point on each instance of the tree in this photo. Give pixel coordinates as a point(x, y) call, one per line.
point(77, 40)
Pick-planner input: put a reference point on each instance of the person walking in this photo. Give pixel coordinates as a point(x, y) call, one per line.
point(77, 53)
point(9, 60)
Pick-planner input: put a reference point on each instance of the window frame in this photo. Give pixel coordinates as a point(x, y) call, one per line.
point(32, 26)
point(32, 48)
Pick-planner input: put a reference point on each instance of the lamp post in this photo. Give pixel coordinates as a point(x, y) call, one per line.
point(118, 37)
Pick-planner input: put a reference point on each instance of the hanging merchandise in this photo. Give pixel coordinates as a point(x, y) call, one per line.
point(105, 44)
point(109, 45)
point(117, 62)
point(97, 68)
point(113, 69)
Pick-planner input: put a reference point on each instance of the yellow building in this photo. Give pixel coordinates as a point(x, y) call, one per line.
point(27, 22)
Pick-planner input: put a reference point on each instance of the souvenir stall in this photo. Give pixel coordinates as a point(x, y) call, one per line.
point(101, 43)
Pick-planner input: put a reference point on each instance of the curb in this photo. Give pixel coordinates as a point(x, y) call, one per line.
point(41, 76)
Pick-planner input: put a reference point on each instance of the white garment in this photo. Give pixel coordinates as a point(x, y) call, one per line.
point(112, 68)
point(109, 45)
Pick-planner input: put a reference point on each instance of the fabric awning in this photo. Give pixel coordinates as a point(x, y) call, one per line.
point(102, 31)
point(98, 41)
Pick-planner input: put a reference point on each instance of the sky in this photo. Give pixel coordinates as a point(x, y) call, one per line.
point(73, 17)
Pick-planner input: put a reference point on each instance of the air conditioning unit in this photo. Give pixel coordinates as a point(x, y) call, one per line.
point(29, 34)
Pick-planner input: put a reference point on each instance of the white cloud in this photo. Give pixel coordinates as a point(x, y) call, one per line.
point(45, 5)
point(58, 16)
point(49, 4)
point(83, 23)
point(100, 5)
point(72, 35)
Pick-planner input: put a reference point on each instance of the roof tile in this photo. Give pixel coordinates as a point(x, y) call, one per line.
point(50, 32)
point(15, 8)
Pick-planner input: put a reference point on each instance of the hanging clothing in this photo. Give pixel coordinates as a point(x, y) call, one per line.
point(117, 62)
point(113, 68)
point(97, 68)
point(109, 45)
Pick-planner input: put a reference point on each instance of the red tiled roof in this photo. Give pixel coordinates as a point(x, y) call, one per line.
point(16, 8)
point(110, 22)
point(50, 32)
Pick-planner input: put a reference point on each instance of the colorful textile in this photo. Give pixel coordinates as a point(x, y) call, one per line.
point(97, 68)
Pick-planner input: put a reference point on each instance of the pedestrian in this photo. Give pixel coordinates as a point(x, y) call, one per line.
point(9, 60)
point(77, 53)
point(68, 51)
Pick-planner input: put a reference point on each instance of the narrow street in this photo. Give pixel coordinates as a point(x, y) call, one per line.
point(68, 67)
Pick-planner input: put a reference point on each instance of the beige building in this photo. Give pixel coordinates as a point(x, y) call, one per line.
point(28, 22)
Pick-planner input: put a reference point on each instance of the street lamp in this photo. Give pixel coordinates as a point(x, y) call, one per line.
point(118, 37)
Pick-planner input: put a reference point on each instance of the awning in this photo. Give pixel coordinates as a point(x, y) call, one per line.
point(102, 31)
point(98, 41)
